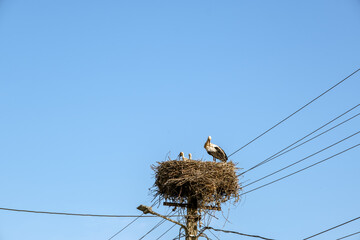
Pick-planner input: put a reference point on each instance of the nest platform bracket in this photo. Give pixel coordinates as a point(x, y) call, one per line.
point(184, 205)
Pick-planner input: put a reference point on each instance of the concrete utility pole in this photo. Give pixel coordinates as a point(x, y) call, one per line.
point(192, 220)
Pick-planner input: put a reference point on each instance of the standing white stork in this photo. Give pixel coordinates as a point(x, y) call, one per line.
point(215, 151)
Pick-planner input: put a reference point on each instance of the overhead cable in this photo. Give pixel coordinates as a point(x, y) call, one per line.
point(213, 234)
point(74, 214)
point(118, 232)
point(156, 226)
point(300, 170)
point(307, 104)
point(316, 136)
point(303, 159)
point(348, 235)
point(238, 233)
point(166, 231)
point(282, 152)
point(152, 229)
point(332, 228)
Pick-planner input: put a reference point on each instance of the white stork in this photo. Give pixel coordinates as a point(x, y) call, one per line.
point(215, 151)
point(190, 156)
point(181, 155)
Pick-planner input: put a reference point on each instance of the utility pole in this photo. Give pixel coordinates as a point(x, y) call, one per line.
point(192, 219)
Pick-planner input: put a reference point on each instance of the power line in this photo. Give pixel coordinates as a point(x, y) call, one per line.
point(152, 229)
point(320, 134)
point(301, 169)
point(124, 228)
point(332, 228)
point(214, 234)
point(74, 214)
point(238, 233)
point(316, 136)
point(89, 215)
point(156, 226)
point(307, 104)
point(281, 152)
point(178, 237)
point(166, 231)
point(118, 232)
point(303, 159)
point(348, 235)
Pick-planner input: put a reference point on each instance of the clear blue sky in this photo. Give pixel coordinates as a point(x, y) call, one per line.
point(94, 92)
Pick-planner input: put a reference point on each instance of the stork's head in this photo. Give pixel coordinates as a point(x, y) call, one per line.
point(190, 155)
point(181, 154)
point(207, 142)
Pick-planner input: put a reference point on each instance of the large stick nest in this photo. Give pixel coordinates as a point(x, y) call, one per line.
point(209, 183)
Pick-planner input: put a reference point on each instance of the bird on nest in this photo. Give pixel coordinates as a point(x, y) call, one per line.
point(181, 155)
point(215, 151)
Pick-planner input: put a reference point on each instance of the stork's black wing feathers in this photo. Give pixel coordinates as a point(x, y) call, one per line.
point(221, 152)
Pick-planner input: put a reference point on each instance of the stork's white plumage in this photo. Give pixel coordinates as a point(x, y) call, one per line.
point(190, 156)
point(215, 151)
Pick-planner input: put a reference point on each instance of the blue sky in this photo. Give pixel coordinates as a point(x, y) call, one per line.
point(94, 92)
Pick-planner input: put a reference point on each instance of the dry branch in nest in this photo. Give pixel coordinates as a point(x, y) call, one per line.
point(209, 183)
